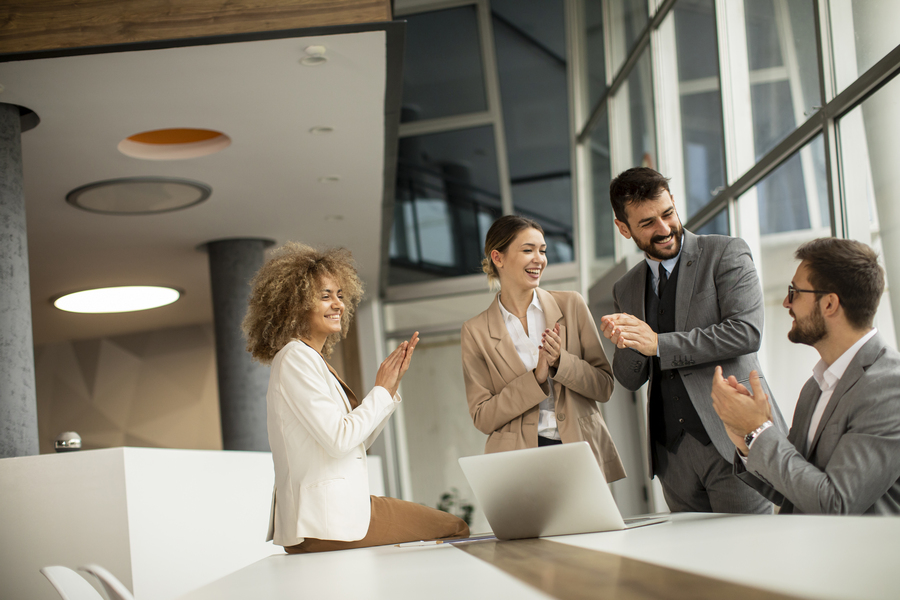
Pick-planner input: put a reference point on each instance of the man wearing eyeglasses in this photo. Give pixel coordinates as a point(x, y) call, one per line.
point(842, 455)
point(694, 302)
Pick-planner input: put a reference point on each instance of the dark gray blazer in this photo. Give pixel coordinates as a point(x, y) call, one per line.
point(853, 464)
point(719, 318)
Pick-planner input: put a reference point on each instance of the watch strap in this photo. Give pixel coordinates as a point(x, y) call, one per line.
point(748, 439)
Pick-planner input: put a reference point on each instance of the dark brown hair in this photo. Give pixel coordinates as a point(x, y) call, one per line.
point(635, 185)
point(286, 289)
point(849, 269)
point(501, 234)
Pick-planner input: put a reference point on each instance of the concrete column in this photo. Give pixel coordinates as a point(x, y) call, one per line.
point(242, 382)
point(18, 401)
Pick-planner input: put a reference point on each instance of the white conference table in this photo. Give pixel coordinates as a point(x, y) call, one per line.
point(752, 556)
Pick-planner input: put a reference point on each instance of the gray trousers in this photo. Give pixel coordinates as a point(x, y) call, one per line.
point(695, 478)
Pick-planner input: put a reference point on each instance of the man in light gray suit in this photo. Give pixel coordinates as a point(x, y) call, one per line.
point(842, 455)
point(695, 302)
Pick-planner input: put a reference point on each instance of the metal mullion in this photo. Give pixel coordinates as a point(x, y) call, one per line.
point(582, 210)
point(824, 52)
point(625, 70)
point(865, 85)
point(442, 124)
point(495, 108)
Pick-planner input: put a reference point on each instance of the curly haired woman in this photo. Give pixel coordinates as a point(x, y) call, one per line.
point(301, 304)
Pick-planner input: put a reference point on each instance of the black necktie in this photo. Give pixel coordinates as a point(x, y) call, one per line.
point(663, 278)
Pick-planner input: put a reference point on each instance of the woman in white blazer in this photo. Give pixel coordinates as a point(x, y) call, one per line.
point(301, 304)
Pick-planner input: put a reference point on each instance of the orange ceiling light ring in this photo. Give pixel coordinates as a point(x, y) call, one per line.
point(174, 144)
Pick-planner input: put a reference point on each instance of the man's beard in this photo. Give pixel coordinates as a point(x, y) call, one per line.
point(653, 252)
point(810, 330)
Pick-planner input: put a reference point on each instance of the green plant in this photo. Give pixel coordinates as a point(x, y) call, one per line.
point(453, 504)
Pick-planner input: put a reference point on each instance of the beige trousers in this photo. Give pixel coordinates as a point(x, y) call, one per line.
point(394, 521)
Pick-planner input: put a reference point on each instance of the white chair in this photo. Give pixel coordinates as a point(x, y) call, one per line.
point(115, 589)
point(70, 585)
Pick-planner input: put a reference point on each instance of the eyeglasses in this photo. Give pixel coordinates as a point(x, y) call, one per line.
point(792, 290)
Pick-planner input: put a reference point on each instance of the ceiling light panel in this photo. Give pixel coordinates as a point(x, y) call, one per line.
point(117, 299)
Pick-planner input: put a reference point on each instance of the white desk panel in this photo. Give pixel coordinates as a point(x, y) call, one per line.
point(433, 572)
point(821, 557)
point(831, 558)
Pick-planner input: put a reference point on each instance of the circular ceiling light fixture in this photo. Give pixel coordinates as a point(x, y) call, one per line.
point(315, 55)
point(128, 298)
point(174, 144)
point(138, 195)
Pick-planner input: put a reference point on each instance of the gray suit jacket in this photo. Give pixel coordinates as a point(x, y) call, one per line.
point(719, 321)
point(853, 464)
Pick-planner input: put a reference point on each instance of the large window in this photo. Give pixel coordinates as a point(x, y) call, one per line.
point(484, 132)
point(776, 121)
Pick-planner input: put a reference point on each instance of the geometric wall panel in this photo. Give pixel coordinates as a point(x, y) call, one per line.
point(156, 389)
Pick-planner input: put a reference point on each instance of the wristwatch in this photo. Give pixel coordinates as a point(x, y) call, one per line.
point(748, 439)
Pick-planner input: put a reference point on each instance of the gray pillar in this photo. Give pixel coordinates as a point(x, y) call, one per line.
point(242, 382)
point(18, 401)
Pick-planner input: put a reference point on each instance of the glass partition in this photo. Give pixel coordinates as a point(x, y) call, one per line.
point(702, 141)
point(442, 74)
point(784, 73)
point(531, 64)
point(863, 32)
point(447, 194)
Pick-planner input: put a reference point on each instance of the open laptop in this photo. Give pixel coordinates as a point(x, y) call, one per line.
point(554, 490)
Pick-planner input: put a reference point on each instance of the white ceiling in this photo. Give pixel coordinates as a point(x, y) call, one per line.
point(266, 184)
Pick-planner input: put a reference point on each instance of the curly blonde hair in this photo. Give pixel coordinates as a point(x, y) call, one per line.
point(285, 291)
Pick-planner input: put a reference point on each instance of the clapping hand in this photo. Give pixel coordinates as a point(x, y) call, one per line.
point(627, 331)
point(396, 365)
point(740, 410)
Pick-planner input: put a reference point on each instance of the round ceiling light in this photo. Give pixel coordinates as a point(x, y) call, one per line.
point(138, 195)
point(174, 144)
point(117, 299)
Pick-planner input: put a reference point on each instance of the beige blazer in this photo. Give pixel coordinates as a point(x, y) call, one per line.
point(503, 396)
point(319, 449)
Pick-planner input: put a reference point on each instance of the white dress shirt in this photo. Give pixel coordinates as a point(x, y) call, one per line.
point(668, 265)
point(828, 378)
point(527, 347)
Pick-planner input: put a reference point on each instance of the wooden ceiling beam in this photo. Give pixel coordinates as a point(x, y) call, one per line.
point(35, 25)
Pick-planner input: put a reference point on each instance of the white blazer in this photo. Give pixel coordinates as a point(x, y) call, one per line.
point(319, 449)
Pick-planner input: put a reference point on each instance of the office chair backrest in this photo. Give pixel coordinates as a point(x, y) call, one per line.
point(69, 584)
point(115, 589)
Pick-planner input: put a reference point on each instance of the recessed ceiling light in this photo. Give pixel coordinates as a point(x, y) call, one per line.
point(117, 299)
point(315, 56)
point(321, 130)
point(174, 144)
point(138, 195)
point(331, 179)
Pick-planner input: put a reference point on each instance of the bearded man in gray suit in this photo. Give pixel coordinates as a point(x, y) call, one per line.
point(842, 455)
point(694, 303)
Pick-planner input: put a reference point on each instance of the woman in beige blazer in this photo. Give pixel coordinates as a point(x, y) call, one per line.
point(300, 305)
point(533, 364)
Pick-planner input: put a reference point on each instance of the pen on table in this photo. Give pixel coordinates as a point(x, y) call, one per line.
point(419, 543)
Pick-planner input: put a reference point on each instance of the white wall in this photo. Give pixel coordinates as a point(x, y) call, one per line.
point(163, 521)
